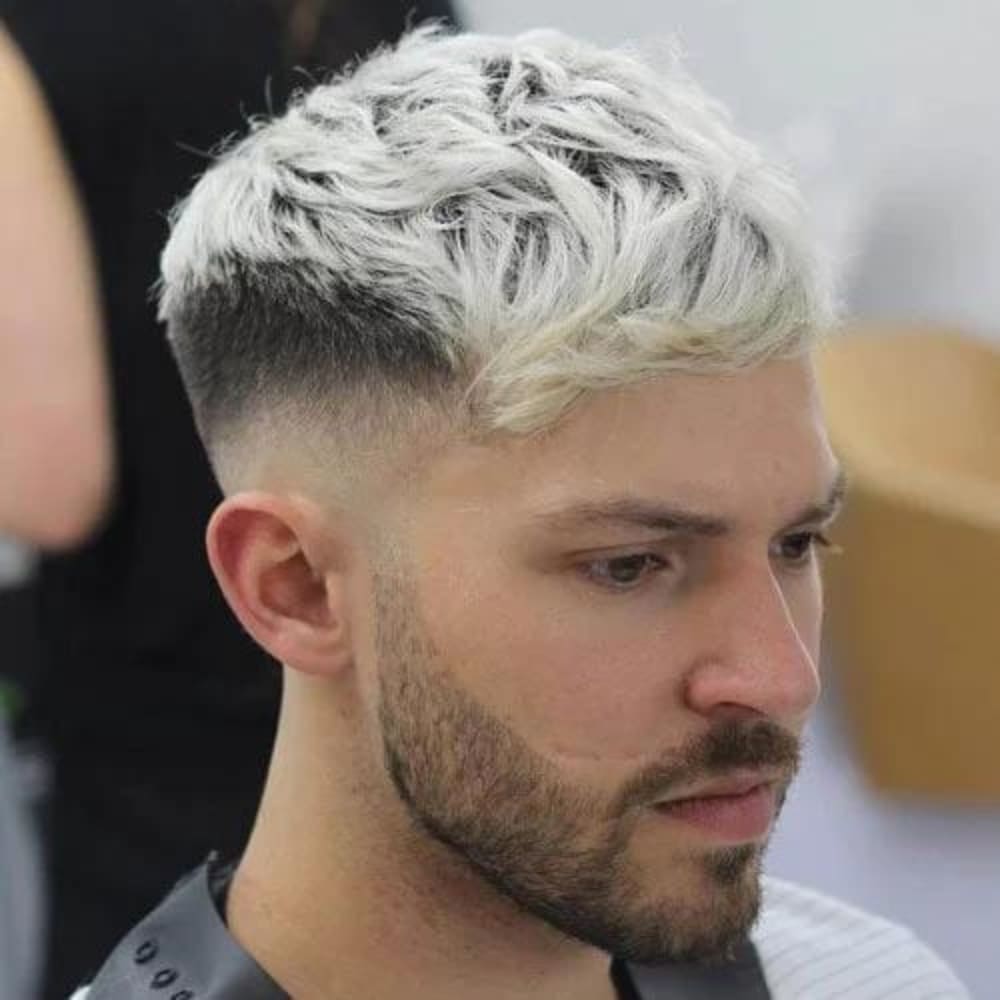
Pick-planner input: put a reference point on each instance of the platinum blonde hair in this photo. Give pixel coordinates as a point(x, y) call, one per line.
point(514, 222)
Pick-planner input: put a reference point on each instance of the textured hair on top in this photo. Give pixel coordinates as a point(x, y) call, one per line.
point(504, 224)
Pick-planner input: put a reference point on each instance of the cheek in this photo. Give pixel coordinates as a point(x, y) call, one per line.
point(591, 696)
point(578, 680)
point(805, 605)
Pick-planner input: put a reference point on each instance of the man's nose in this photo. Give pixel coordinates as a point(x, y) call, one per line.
point(756, 659)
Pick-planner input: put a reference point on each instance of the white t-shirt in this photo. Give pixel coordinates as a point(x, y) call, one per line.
point(813, 947)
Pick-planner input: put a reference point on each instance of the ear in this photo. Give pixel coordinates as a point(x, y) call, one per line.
point(283, 579)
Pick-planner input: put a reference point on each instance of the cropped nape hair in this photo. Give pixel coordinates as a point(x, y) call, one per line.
point(494, 225)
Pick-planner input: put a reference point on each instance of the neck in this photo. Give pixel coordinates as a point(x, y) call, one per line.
point(337, 897)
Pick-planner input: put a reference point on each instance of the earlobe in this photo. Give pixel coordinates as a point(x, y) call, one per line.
point(293, 605)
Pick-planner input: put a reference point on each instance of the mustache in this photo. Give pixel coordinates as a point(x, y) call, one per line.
point(727, 747)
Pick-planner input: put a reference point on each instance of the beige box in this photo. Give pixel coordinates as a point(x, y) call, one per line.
point(913, 603)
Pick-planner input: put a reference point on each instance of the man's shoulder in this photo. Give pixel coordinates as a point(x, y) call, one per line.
point(814, 947)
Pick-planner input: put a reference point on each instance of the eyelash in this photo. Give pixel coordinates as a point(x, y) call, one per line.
point(645, 557)
point(815, 540)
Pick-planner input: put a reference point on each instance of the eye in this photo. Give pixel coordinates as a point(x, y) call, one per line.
point(623, 573)
point(799, 549)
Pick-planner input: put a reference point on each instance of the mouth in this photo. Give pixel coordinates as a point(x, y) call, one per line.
point(738, 810)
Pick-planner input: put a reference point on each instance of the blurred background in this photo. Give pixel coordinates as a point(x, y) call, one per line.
point(887, 113)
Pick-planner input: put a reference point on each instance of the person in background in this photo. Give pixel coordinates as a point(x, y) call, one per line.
point(503, 353)
point(56, 457)
point(56, 463)
point(157, 709)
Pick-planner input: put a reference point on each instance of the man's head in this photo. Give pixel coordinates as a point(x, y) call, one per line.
point(501, 351)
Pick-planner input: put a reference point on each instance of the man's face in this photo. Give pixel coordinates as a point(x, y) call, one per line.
point(596, 633)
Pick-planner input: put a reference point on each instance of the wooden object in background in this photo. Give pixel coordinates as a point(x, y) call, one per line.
point(914, 602)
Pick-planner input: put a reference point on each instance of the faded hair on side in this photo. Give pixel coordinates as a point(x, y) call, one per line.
point(496, 226)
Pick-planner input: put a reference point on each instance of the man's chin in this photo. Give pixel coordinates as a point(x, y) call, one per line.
point(733, 867)
point(704, 918)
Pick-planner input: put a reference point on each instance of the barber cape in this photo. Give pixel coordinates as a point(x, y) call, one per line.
point(805, 947)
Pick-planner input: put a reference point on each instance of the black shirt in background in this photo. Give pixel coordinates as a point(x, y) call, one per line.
point(158, 710)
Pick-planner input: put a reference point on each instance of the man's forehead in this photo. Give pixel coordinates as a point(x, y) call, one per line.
point(767, 408)
point(697, 440)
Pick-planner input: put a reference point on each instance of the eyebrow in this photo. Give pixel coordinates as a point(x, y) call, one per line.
point(633, 512)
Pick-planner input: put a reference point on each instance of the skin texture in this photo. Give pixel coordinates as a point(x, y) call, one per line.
point(567, 855)
point(485, 694)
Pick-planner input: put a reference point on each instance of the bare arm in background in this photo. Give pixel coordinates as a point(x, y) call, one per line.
point(55, 435)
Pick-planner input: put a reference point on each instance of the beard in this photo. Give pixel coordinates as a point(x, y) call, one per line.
point(561, 853)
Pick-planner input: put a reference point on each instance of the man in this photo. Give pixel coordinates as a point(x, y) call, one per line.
point(501, 352)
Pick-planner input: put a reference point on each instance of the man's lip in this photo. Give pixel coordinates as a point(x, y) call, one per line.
point(737, 784)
